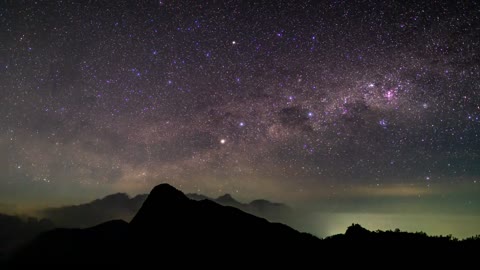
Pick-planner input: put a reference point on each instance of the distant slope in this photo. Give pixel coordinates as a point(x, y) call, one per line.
point(121, 206)
point(15, 231)
point(115, 206)
point(262, 208)
point(168, 225)
point(171, 228)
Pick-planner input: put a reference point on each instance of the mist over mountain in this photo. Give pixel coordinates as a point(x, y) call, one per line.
point(263, 208)
point(15, 231)
point(168, 224)
point(169, 227)
point(121, 206)
point(115, 206)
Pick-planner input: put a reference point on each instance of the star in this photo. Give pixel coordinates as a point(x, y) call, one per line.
point(390, 95)
point(383, 123)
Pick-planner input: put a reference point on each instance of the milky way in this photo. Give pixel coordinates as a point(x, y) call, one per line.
point(259, 98)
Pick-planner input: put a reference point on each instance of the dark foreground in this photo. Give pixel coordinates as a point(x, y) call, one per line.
point(171, 228)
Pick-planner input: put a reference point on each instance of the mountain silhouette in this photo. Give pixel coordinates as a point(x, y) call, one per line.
point(172, 228)
point(115, 206)
point(228, 200)
point(185, 225)
point(121, 206)
point(272, 211)
point(168, 224)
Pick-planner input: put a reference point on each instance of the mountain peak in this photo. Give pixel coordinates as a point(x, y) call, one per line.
point(164, 195)
point(357, 231)
point(162, 199)
point(226, 197)
point(117, 195)
point(166, 192)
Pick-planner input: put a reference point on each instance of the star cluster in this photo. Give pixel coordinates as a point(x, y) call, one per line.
point(254, 97)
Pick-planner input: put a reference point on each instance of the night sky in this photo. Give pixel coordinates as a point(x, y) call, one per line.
point(363, 111)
